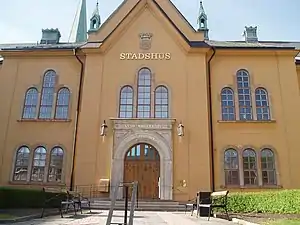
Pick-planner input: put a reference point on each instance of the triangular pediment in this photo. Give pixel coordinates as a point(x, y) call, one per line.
point(129, 8)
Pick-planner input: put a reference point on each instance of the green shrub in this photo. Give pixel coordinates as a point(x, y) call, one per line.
point(27, 198)
point(284, 202)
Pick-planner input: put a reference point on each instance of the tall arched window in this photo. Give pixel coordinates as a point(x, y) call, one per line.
point(262, 104)
point(21, 164)
point(38, 165)
point(144, 93)
point(231, 167)
point(56, 165)
point(250, 167)
point(126, 102)
point(161, 102)
point(244, 95)
point(227, 103)
point(47, 95)
point(30, 104)
point(62, 104)
point(268, 167)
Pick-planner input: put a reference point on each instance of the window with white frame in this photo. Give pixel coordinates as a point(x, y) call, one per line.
point(250, 170)
point(144, 102)
point(36, 161)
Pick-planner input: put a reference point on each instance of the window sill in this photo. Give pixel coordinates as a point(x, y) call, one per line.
point(36, 183)
point(246, 121)
point(44, 120)
point(252, 187)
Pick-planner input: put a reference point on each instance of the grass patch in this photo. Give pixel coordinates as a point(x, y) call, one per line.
point(6, 216)
point(284, 222)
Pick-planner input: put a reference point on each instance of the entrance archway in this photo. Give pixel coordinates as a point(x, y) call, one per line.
point(142, 164)
point(125, 141)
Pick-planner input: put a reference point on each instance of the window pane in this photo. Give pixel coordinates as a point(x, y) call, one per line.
point(21, 164)
point(126, 102)
point(30, 104)
point(144, 93)
point(262, 104)
point(161, 102)
point(62, 104)
point(268, 167)
point(250, 167)
point(231, 167)
point(39, 163)
point(244, 95)
point(227, 104)
point(47, 95)
point(56, 165)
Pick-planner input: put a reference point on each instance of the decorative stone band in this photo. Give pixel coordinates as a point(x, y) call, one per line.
point(128, 124)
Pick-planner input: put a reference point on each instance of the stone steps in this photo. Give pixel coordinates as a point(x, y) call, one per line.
point(170, 206)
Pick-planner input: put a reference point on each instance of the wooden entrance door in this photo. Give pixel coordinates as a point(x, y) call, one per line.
point(142, 164)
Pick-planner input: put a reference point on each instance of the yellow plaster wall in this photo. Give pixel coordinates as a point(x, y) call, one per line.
point(17, 75)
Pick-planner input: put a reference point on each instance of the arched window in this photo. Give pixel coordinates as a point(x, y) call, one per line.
point(126, 102)
point(262, 104)
point(38, 165)
point(21, 164)
point(268, 167)
point(47, 95)
point(227, 103)
point(62, 104)
point(30, 104)
point(144, 94)
point(250, 167)
point(231, 167)
point(244, 95)
point(161, 102)
point(56, 165)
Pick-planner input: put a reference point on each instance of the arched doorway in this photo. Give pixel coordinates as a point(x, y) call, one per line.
point(142, 164)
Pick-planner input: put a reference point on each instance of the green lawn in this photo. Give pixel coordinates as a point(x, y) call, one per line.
point(285, 222)
point(6, 216)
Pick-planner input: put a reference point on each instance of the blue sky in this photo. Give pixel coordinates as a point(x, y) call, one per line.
point(22, 21)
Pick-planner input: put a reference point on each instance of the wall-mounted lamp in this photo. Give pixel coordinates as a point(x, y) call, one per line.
point(103, 129)
point(180, 129)
point(183, 183)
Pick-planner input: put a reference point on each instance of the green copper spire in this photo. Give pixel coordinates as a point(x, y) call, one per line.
point(202, 21)
point(95, 20)
point(79, 28)
point(81, 35)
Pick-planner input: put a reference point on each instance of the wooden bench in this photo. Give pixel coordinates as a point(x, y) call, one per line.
point(217, 199)
point(63, 198)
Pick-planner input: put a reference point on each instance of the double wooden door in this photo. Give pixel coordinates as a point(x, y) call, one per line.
point(142, 164)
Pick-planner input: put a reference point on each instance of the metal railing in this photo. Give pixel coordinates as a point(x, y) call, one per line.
point(134, 195)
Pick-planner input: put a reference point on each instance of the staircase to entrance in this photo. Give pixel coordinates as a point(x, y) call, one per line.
point(143, 205)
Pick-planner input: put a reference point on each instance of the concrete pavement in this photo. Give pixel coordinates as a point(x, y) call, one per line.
point(141, 218)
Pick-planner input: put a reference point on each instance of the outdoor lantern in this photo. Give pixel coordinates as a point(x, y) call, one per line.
point(180, 130)
point(103, 129)
point(183, 183)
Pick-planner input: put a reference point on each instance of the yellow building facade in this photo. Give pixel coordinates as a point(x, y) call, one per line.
point(149, 98)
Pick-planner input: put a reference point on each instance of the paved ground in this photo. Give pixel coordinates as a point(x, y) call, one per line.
point(141, 218)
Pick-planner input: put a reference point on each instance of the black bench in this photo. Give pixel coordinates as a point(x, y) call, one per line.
point(217, 199)
point(56, 199)
point(62, 198)
point(192, 204)
point(80, 200)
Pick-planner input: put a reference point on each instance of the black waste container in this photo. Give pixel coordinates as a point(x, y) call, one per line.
point(204, 199)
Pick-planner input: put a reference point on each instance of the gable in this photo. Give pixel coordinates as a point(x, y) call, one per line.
point(146, 32)
point(165, 7)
